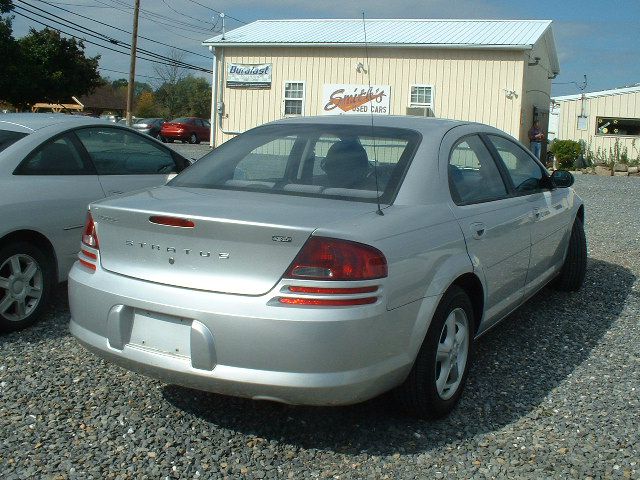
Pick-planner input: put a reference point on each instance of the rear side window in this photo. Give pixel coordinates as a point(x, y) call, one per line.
point(473, 174)
point(117, 151)
point(55, 157)
point(526, 174)
point(7, 137)
point(340, 161)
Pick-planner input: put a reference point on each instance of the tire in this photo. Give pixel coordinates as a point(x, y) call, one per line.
point(193, 139)
point(574, 268)
point(24, 293)
point(169, 140)
point(423, 393)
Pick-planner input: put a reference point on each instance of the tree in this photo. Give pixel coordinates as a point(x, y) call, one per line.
point(52, 68)
point(146, 105)
point(8, 52)
point(170, 75)
point(195, 97)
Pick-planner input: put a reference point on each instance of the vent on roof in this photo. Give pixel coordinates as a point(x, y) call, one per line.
point(420, 112)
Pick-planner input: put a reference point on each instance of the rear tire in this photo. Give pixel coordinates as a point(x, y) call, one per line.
point(193, 139)
point(26, 282)
point(574, 269)
point(437, 379)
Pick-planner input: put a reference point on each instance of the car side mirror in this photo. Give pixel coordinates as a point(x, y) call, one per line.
point(562, 178)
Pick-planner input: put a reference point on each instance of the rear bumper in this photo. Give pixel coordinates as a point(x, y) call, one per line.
point(176, 135)
point(244, 346)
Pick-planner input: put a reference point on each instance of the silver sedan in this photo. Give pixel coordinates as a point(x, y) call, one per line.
point(324, 261)
point(51, 167)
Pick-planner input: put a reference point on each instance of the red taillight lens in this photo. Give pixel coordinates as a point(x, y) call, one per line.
point(89, 235)
point(324, 258)
point(172, 221)
point(319, 302)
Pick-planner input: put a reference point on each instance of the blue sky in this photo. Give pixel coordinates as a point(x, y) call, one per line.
point(596, 38)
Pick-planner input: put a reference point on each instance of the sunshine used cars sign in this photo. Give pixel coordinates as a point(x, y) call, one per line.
point(340, 99)
point(249, 76)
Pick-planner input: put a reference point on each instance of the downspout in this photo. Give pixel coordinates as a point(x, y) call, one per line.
point(214, 98)
point(221, 109)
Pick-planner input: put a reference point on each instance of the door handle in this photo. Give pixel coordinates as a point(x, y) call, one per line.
point(477, 230)
point(115, 192)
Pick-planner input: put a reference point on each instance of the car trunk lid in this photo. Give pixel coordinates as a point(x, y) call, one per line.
point(240, 242)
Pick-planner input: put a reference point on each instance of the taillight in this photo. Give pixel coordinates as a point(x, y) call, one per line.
point(89, 235)
point(89, 239)
point(332, 259)
point(323, 258)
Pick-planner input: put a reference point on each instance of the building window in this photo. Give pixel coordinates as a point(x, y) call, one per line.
point(421, 96)
point(617, 126)
point(294, 98)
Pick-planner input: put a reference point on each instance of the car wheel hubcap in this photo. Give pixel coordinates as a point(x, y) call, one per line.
point(452, 353)
point(21, 283)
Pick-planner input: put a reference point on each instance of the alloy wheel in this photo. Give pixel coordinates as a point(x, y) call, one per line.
point(21, 287)
point(452, 353)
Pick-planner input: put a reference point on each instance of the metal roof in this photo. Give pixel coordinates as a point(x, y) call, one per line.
point(601, 93)
point(410, 33)
point(386, 32)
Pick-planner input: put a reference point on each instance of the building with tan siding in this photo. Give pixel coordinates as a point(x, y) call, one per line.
point(600, 119)
point(492, 71)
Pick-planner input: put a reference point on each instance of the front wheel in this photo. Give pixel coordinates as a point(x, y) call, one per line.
point(26, 282)
point(439, 373)
point(193, 139)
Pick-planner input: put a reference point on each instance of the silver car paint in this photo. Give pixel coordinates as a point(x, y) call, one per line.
point(54, 206)
point(247, 345)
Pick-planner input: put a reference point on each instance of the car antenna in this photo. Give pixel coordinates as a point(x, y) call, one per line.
point(373, 138)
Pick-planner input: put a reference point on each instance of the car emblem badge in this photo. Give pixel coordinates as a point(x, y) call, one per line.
point(171, 260)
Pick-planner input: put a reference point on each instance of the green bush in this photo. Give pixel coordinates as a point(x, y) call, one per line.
point(566, 152)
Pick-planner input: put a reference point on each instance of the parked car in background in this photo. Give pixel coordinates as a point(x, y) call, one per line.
point(51, 167)
point(111, 118)
point(326, 260)
point(186, 129)
point(149, 126)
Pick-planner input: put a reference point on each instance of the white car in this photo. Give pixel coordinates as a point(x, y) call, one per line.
point(51, 167)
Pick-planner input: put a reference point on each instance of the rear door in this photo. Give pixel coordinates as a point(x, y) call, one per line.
point(51, 188)
point(496, 226)
point(549, 209)
point(125, 160)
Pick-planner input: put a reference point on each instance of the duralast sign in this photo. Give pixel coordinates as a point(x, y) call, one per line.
point(249, 76)
point(340, 99)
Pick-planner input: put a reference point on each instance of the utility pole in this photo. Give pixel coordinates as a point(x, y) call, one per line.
point(132, 65)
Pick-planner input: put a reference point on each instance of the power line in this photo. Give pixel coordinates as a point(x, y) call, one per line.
point(121, 29)
point(149, 14)
point(126, 73)
point(92, 33)
point(218, 12)
point(104, 46)
point(184, 14)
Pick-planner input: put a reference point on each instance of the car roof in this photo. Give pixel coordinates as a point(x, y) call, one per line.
point(30, 122)
point(397, 121)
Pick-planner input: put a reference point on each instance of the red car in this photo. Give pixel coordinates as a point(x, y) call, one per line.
point(187, 129)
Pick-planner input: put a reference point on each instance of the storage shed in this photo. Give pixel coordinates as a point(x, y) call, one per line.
point(601, 119)
point(492, 71)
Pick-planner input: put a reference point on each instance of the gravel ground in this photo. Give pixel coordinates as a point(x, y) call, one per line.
point(553, 393)
point(187, 150)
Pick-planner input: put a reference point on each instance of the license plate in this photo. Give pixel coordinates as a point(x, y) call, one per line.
point(162, 333)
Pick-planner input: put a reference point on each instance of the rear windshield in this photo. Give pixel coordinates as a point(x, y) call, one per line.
point(7, 137)
point(337, 161)
point(181, 120)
